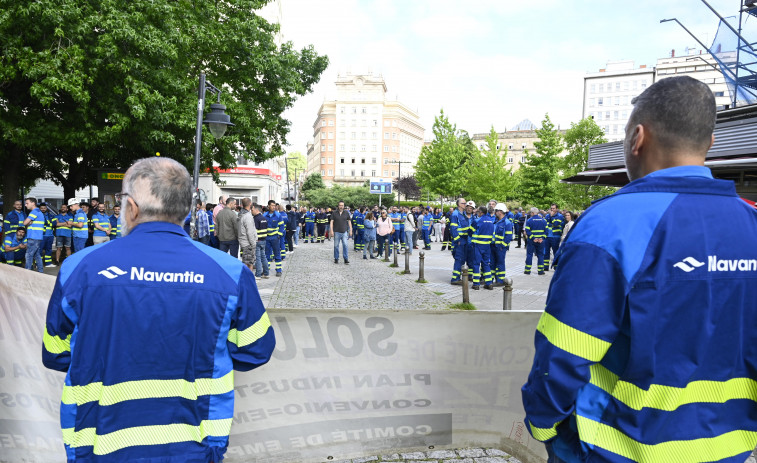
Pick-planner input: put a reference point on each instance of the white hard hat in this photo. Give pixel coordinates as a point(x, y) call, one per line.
point(500, 207)
point(73, 201)
point(471, 204)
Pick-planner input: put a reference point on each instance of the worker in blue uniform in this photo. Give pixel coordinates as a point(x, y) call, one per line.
point(15, 218)
point(48, 236)
point(62, 225)
point(395, 217)
point(403, 215)
point(14, 247)
point(283, 222)
point(272, 240)
point(427, 222)
point(503, 235)
point(357, 226)
point(115, 222)
point(149, 330)
point(481, 243)
point(321, 221)
point(556, 223)
point(79, 225)
point(645, 351)
point(459, 228)
point(310, 226)
point(536, 234)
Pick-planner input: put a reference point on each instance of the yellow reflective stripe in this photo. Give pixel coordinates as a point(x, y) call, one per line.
point(669, 398)
point(702, 449)
point(572, 340)
point(251, 334)
point(55, 344)
point(147, 389)
point(543, 434)
point(145, 435)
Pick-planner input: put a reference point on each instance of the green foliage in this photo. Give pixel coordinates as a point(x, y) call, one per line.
point(353, 196)
point(578, 139)
point(296, 162)
point(487, 173)
point(91, 84)
point(538, 179)
point(463, 306)
point(312, 182)
point(438, 167)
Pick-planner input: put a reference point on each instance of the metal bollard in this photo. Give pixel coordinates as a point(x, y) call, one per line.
point(421, 259)
point(466, 297)
point(396, 251)
point(507, 291)
point(407, 263)
point(386, 252)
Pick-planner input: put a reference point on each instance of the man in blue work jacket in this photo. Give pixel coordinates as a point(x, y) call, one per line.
point(459, 228)
point(272, 240)
point(536, 235)
point(35, 230)
point(556, 223)
point(149, 330)
point(645, 351)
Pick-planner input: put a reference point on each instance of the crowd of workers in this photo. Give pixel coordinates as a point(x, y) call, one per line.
point(29, 234)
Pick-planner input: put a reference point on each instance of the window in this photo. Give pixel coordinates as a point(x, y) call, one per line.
point(617, 101)
point(643, 84)
point(394, 149)
point(341, 110)
point(394, 136)
point(354, 123)
point(373, 149)
point(607, 116)
point(323, 135)
point(386, 148)
point(386, 161)
point(353, 110)
point(497, 145)
point(323, 123)
point(717, 94)
point(341, 160)
point(363, 123)
point(600, 101)
point(362, 148)
point(323, 172)
point(373, 160)
point(393, 174)
point(386, 135)
point(352, 172)
point(341, 134)
point(510, 146)
point(363, 135)
point(331, 172)
point(601, 88)
point(625, 100)
point(331, 160)
point(364, 110)
point(615, 115)
point(591, 102)
point(617, 86)
point(509, 160)
point(374, 110)
point(323, 147)
point(522, 159)
point(323, 160)
point(375, 123)
point(386, 173)
point(624, 115)
point(387, 123)
point(331, 147)
point(353, 148)
point(635, 84)
point(362, 161)
point(331, 135)
point(353, 135)
point(593, 89)
point(625, 86)
point(341, 172)
point(373, 173)
point(615, 129)
point(341, 148)
point(394, 123)
point(374, 135)
point(331, 123)
point(362, 173)
point(599, 116)
point(522, 146)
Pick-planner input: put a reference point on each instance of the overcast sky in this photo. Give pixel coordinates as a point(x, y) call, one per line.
point(486, 62)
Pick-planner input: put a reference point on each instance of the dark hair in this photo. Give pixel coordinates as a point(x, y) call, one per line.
point(209, 207)
point(246, 202)
point(230, 200)
point(369, 216)
point(288, 207)
point(680, 112)
point(271, 201)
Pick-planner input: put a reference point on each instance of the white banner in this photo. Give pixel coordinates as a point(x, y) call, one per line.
point(341, 384)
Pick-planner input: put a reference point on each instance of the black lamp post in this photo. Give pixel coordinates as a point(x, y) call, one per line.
point(217, 122)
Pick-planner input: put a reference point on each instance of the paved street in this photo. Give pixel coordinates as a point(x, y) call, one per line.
point(311, 279)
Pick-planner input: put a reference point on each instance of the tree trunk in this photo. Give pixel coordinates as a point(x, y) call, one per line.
point(11, 178)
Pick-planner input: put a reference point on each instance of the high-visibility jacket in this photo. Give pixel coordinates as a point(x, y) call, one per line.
point(484, 232)
point(536, 227)
point(309, 217)
point(503, 233)
point(62, 230)
point(273, 220)
point(149, 350)
point(12, 221)
point(427, 222)
point(646, 349)
point(556, 223)
point(460, 225)
point(81, 218)
point(36, 229)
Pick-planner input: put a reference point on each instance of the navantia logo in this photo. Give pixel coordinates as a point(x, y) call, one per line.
point(140, 274)
point(688, 264)
point(111, 272)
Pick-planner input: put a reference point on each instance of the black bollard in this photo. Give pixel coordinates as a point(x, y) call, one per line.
point(421, 259)
point(407, 263)
point(507, 298)
point(386, 252)
point(466, 297)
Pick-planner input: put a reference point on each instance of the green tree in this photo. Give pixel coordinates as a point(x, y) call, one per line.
point(90, 84)
point(352, 196)
point(438, 167)
point(539, 176)
point(487, 174)
point(312, 183)
point(578, 138)
point(296, 160)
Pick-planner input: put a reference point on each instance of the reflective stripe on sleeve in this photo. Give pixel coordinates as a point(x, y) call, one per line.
point(56, 344)
point(251, 334)
point(572, 340)
point(147, 389)
point(543, 434)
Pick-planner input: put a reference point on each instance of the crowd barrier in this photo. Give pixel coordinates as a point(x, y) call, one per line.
point(341, 384)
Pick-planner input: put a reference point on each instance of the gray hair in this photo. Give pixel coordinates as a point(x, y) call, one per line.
point(534, 210)
point(162, 189)
point(679, 110)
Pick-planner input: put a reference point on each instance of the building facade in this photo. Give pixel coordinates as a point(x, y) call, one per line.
point(362, 135)
point(518, 142)
point(609, 92)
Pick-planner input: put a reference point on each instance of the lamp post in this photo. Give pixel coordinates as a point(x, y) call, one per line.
point(399, 175)
point(296, 181)
point(217, 122)
point(286, 168)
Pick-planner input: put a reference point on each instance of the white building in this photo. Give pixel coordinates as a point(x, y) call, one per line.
point(362, 135)
point(608, 94)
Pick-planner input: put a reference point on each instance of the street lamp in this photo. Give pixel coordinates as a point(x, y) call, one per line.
point(399, 174)
point(217, 122)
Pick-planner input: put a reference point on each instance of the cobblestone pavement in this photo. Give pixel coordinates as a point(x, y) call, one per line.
point(312, 280)
point(471, 455)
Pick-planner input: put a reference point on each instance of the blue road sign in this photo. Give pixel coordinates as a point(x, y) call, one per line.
point(381, 188)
